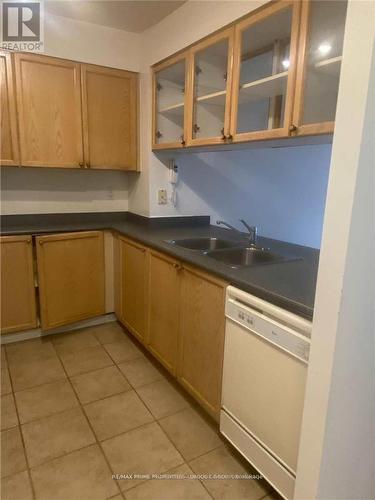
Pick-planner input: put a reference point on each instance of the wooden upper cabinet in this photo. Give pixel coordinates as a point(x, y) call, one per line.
point(49, 107)
point(18, 303)
point(210, 77)
point(71, 277)
point(170, 107)
point(9, 154)
point(164, 307)
point(319, 65)
point(110, 105)
point(202, 323)
point(134, 278)
point(264, 72)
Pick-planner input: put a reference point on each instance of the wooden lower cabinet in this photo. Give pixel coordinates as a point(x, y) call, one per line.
point(18, 302)
point(134, 277)
point(71, 277)
point(164, 308)
point(202, 324)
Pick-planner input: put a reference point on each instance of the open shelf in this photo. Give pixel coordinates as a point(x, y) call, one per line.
point(215, 98)
point(270, 86)
point(174, 109)
point(329, 66)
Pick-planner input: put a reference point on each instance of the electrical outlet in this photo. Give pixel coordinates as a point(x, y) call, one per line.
point(162, 197)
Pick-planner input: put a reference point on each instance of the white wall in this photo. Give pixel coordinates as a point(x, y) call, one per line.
point(50, 190)
point(337, 452)
point(282, 191)
point(91, 43)
point(30, 190)
point(234, 184)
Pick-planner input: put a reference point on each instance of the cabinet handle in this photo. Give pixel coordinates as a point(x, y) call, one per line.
point(178, 267)
point(229, 137)
point(40, 242)
point(81, 164)
point(292, 128)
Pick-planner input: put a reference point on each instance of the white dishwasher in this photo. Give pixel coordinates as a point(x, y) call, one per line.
point(265, 366)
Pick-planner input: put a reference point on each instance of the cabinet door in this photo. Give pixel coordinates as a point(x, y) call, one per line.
point(210, 95)
point(202, 337)
point(134, 277)
point(49, 107)
point(8, 126)
point(170, 83)
point(109, 99)
point(264, 72)
point(71, 277)
point(164, 293)
point(319, 65)
point(18, 305)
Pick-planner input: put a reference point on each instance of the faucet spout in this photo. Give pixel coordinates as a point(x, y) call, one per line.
point(252, 230)
point(223, 223)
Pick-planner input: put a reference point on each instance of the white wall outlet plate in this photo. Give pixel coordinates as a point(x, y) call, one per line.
point(162, 197)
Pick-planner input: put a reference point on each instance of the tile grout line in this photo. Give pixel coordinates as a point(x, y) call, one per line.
point(184, 459)
point(98, 442)
point(21, 433)
point(148, 423)
point(92, 430)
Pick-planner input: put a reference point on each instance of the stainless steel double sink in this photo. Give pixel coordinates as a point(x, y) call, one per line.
point(235, 254)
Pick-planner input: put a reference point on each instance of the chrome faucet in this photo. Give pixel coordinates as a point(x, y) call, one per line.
point(253, 230)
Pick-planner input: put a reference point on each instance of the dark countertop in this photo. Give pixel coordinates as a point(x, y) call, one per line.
point(290, 285)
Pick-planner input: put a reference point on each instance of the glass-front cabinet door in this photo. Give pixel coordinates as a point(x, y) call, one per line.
point(210, 91)
point(169, 103)
point(263, 73)
point(319, 64)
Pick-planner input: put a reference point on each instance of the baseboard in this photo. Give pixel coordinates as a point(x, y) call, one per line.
point(37, 332)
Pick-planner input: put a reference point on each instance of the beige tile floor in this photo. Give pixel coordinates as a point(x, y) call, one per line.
point(77, 408)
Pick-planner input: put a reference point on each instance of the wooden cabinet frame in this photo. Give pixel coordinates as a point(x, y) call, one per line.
point(208, 42)
point(133, 78)
point(254, 18)
point(29, 288)
point(47, 319)
point(141, 336)
point(163, 65)
point(313, 128)
point(10, 98)
point(22, 110)
point(212, 407)
point(170, 301)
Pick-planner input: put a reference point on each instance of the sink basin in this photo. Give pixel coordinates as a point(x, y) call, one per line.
point(245, 257)
point(204, 244)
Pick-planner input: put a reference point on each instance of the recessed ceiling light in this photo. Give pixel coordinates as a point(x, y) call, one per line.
point(324, 48)
point(285, 63)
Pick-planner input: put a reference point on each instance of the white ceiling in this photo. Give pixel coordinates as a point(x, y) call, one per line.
point(134, 16)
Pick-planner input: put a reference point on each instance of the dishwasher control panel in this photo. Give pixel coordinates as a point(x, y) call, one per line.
point(278, 333)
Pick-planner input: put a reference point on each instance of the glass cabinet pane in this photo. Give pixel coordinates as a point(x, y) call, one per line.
point(264, 69)
point(170, 104)
point(210, 88)
point(323, 60)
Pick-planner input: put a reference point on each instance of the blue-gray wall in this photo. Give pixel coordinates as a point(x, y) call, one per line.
point(281, 190)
